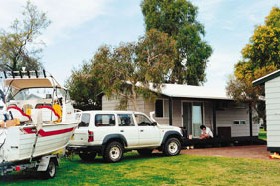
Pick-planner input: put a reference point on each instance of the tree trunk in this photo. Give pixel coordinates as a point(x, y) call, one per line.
point(134, 99)
point(264, 123)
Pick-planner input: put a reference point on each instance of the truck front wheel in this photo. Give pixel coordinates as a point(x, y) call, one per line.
point(113, 152)
point(172, 147)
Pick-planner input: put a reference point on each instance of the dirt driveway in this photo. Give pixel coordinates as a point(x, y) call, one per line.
point(251, 151)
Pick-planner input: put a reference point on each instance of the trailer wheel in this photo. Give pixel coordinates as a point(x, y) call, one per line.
point(51, 170)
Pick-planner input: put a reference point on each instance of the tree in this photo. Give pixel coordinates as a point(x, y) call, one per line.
point(264, 46)
point(240, 87)
point(84, 89)
point(178, 18)
point(19, 46)
point(127, 70)
point(260, 57)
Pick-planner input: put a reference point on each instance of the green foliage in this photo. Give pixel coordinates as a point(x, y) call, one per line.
point(260, 57)
point(177, 18)
point(262, 134)
point(19, 47)
point(171, 51)
point(127, 70)
point(240, 86)
point(264, 46)
point(158, 170)
point(84, 89)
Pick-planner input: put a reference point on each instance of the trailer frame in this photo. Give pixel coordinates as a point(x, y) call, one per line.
point(45, 164)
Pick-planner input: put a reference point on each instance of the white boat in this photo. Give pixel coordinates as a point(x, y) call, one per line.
point(37, 118)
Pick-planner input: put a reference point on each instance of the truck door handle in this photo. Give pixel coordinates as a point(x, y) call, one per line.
point(122, 130)
point(141, 130)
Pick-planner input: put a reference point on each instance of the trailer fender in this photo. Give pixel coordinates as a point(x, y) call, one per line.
point(44, 162)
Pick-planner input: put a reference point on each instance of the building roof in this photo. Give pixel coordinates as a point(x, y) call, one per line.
point(188, 91)
point(266, 78)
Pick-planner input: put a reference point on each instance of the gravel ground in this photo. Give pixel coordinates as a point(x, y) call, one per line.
point(251, 151)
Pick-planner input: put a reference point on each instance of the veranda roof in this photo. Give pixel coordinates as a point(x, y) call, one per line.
point(189, 91)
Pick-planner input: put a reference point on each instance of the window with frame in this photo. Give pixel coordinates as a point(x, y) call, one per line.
point(162, 108)
point(125, 120)
point(78, 116)
point(104, 120)
point(142, 120)
point(85, 119)
point(239, 122)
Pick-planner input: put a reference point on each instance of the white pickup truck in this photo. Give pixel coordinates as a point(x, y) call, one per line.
point(111, 133)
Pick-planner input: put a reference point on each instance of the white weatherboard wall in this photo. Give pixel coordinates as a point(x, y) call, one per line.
point(272, 99)
point(226, 117)
point(113, 103)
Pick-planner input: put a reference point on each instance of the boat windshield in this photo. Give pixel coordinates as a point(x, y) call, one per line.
point(38, 93)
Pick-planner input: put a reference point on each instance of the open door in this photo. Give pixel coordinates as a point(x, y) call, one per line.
point(197, 119)
point(192, 117)
point(187, 117)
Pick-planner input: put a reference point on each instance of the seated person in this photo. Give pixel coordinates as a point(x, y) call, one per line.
point(206, 133)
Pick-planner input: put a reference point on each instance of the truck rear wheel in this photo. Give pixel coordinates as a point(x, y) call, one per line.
point(87, 156)
point(172, 147)
point(113, 152)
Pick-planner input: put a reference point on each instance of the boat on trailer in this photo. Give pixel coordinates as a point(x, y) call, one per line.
point(37, 117)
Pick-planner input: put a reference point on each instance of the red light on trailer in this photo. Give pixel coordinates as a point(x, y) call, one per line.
point(90, 136)
point(17, 168)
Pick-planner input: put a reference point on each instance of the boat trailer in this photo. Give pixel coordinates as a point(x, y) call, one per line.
point(45, 164)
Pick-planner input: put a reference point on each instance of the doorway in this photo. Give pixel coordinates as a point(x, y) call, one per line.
point(192, 117)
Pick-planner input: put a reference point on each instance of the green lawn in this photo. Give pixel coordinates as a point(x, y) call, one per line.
point(158, 170)
point(262, 134)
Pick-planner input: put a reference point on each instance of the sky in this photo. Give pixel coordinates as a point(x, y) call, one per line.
point(79, 27)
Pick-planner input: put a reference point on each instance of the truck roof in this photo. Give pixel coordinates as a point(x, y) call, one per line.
point(111, 111)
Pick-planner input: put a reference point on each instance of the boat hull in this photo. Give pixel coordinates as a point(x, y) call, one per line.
point(24, 142)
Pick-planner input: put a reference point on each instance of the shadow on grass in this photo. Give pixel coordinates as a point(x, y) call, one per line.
point(129, 156)
point(136, 156)
point(21, 176)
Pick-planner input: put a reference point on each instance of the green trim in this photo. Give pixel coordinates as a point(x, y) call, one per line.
point(266, 78)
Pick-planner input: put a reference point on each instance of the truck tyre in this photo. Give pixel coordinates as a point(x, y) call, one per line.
point(145, 152)
point(113, 152)
point(172, 147)
point(51, 170)
point(87, 156)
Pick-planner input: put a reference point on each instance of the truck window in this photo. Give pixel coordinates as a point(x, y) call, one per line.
point(84, 120)
point(142, 120)
point(103, 120)
point(125, 120)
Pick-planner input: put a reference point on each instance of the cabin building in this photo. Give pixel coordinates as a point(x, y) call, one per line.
point(191, 106)
point(271, 82)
